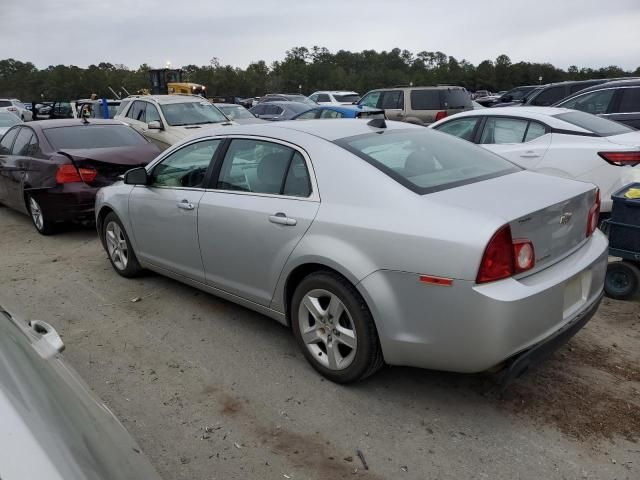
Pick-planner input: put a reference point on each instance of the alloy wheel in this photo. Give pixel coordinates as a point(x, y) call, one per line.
point(36, 214)
point(327, 329)
point(117, 245)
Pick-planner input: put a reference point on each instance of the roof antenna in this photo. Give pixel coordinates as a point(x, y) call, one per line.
point(377, 123)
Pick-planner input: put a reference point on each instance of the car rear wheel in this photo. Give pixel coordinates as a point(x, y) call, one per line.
point(622, 280)
point(42, 222)
point(334, 328)
point(121, 254)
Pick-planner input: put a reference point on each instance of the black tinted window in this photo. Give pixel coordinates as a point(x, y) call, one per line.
point(297, 183)
point(323, 97)
point(592, 123)
point(349, 98)
point(137, 110)
point(7, 141)
point(456, 98)
point(425, 100)
point(21, 145)
point(549, 96)
point(630, 100)
point(5, 103)
point(581, 86)
point(93, 136)
point(393, 100)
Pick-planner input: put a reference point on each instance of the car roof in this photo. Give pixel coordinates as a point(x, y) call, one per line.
point(426, 87)
point(337, 92)
point(71, 122)
point(167, 99)
point(632, 82)
point(348, 108)
point(543, 114)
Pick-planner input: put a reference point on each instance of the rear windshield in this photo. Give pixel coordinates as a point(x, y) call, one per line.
point(426, 161)
point(235, 112)
point(457, 98)
point(93, 136)
point(598, 125)
point(351, 98)
point(5, 103)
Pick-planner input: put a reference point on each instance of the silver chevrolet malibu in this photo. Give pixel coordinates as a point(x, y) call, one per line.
point(376, 242)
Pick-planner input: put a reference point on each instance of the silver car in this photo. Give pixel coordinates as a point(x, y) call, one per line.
point(53, 426)
point(376, 242)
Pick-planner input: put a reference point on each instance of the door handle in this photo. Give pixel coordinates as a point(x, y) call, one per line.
point(282, 219)
point(530, 154)
point(185, 205)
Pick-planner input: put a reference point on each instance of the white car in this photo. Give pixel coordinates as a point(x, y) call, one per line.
point(166, 119)
point(16, 107)
point(7, 120)
point(335, 97)
point(555, 141)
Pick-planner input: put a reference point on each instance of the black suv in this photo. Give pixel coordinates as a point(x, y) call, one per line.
point(554, 92)
point(619, 101)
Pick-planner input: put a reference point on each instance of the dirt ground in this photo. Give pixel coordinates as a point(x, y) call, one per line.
point(211, 390)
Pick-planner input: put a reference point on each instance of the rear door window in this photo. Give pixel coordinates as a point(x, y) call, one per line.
point(593, 102)
point(323, 97)
point(137, 111)
point(425, 100)
point(503, 130)
point(462, 128)
point(534, 131)
point(630, 100)
point(456, 98)
point(594, 124)
point(7, 141)
point(21, 145)
point(331, 114)
point(549, 96)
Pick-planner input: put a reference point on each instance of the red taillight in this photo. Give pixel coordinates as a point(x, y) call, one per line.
point(505, 257)
point(440, 115)
point(621, 158)
point(594, 215)
point(68, 173)
point(12, 109)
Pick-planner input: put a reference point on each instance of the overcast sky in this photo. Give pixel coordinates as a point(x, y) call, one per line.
point(592, 33)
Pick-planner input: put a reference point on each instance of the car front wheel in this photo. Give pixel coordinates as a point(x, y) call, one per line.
point(334, 328)
point(121, 254)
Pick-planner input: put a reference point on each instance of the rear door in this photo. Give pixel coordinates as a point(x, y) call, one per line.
point(626, 107)
point(260, 205)
point(164, 213)
point(13, 171)
point(522, 141)
point(6, 161)
point(393, 104)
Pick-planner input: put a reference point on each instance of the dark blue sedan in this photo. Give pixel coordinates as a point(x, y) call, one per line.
point(340, 111)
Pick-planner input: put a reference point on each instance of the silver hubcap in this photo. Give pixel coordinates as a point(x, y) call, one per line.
point(117, 245)
point(327, 329)
point(36, 213)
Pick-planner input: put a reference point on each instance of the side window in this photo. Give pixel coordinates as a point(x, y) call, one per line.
point(314, 97)
point(331, 114)
point(592, 102)
point(122, 107)
point(371, 99)
point(297, 183)
point(259, 167)
point(258, 110)
point(393, 100)
point(534, 131)
point(136, 112)
point(630, 101)
point(21, 145)
point(186, 167)
point(151, 113)
point(7, 141)
point(323, 97)
point(461, 128)
point(425, 100)
point(308, 115)
point(549, 96)
point(503, 130)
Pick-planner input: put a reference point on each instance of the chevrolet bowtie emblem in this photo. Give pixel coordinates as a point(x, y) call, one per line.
point(565, 218)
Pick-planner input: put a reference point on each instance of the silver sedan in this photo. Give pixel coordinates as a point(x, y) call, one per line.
point(376, 242)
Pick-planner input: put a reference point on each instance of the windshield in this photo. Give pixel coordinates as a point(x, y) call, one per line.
point(348, 98)
point(426, 161)
point(235, 112)
point(191, 113)
point(8, 119)
point(598, 125)
point(93, 136)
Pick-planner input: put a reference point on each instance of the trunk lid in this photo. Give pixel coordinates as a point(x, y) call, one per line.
point(631, 139)
point(551, 212)
point(111, 163)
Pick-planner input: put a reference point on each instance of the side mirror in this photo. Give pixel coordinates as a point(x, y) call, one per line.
point(155, 125)
point(136, 176)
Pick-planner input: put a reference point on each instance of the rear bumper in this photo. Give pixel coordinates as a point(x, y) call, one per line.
point(471, 328)
point(67, 202)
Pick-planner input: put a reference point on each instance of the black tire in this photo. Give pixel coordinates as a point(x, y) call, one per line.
point(368, 357)
point(129, 268)
point(622, 280)
point(41, 221)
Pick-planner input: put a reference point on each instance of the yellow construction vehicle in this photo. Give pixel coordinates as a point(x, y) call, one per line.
point(169, 81)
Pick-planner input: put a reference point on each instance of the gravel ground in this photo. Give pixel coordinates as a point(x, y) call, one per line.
point(211, 390)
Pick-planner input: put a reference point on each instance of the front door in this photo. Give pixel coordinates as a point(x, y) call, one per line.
point(262, 203)
point(164, 213)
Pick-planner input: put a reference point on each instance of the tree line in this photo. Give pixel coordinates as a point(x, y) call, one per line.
point(302, 70)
